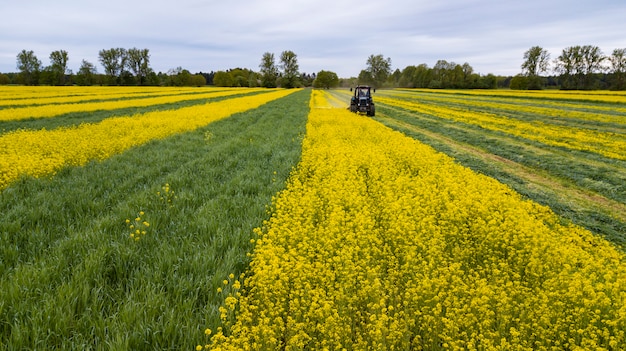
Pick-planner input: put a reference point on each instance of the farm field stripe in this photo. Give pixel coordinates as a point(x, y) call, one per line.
point(43, 152)
point(564, 190)
point(597, 176)
point(611, 145)
point(605, 118)
point(36, 98)
point(28, 92)
point(378, 243)
point(563, 95)
point(46, 111)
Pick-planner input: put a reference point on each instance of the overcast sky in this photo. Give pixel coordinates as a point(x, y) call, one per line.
point(334, 35)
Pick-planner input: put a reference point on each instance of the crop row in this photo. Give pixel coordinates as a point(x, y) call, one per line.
point(380, 242)
point(555, 95)
point(571, 111)
point(42, 152)
point(603, 143)
point(580, 185)
point(54, 109)
point(20, 96)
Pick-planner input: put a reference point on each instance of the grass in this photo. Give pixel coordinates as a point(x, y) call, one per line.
point(71, 276)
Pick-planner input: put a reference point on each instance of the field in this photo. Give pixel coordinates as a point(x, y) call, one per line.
point(235, 219)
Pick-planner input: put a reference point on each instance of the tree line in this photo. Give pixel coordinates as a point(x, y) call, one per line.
point(121, 67)
point(577, 67)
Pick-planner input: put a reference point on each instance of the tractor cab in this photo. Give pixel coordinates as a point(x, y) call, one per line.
point(361, 101)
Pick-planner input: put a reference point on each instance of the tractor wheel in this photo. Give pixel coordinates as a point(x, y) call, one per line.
point(372, 111)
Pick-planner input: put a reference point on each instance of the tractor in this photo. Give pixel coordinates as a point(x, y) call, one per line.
point(362, 101)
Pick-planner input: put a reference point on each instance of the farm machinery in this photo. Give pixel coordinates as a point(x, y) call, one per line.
point(361, 101)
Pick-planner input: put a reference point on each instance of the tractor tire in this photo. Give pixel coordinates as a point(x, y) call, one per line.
point(372, 111)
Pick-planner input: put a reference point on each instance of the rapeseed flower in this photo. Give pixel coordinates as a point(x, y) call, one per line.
point(380, 242)
point(40, 153)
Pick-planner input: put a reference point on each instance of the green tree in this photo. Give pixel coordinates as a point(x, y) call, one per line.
point(519, 82)
point(365, 78)
point(198, 80)
point(618, 69)
point(138, 61)
point(407, 76)
point(269, 71)
point(379, 69)
point(86, 73)
point(223, 79)
point(290, 69)
point(4, 79)
point(326, 80)
point(253, 79)
point(239, 77)
point(536, 61)
point(422, 76)
point(29, 67)
point(114, 62)
point(58, 65)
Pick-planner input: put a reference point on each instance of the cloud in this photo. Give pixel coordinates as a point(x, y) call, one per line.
point(335, 35)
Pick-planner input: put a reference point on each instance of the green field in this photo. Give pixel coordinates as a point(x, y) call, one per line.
point(71, 277)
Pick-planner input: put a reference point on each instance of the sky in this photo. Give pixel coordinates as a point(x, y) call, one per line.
point(332, 35)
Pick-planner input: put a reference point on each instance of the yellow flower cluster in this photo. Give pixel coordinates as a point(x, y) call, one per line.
point(138, 227)
point(43, 152)
point(56, 107)
point(41, 95)
point(608, 144)
point(565, 95)
point(166, 196)
point(536, 105)
point(379, 242)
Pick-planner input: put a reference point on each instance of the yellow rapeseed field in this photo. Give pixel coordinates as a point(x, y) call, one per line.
point(608, 144)
point(42, 152)
point(60, 105)
point(39, 95)
point(379, 242)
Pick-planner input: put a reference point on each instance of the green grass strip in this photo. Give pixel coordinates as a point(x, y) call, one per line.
point(72, 278)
